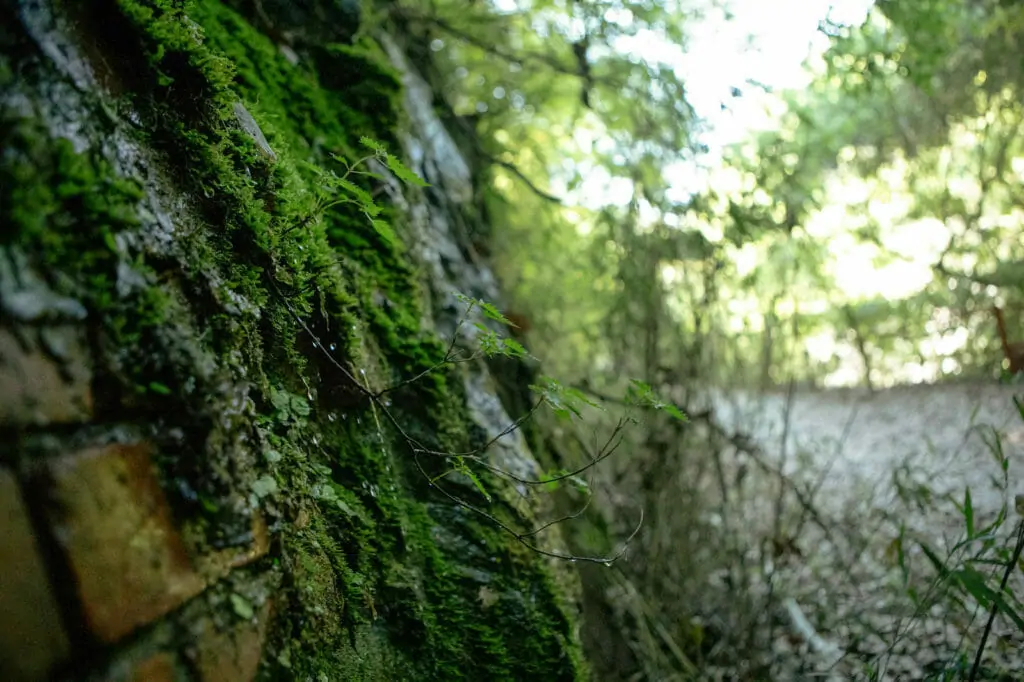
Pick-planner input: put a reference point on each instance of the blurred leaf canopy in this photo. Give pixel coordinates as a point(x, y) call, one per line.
point(863, 236)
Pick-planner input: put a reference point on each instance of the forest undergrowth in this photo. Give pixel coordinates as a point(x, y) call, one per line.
point(756, 566)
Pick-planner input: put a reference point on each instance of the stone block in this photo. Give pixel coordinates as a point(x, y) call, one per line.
point(111, 517)
point(233, 654)
point(45, 377)
point(158, 667)
point(32, 636)
point(217, 564)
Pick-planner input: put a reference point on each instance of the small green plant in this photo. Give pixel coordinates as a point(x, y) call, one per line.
point(970, 577)
point(288, 406)
point(336, 190)
point(565, 401)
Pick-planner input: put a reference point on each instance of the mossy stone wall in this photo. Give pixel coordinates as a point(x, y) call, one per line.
point(200, 488)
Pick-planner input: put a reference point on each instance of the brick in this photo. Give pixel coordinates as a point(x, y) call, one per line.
point(113, 521)
point(44, 377)
point(216, 565)
point(32, 637)
point(233, 654)
point(157, 668)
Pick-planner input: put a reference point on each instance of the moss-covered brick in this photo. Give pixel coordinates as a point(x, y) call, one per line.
point(383, 578)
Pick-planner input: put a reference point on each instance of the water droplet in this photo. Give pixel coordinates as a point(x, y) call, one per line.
point(362, 371)
point(333, 346)
point(608, 564)
point(332, 417)
point(572, 561)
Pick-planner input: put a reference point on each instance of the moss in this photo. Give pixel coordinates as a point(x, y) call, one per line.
point(384, 579)
point(64, 210)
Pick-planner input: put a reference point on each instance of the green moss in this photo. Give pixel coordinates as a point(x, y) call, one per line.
point(384, 578)
point(64, 210)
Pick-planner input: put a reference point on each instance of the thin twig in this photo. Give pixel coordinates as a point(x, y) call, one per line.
point(417, 448)
point(780, 503)
point(1010, 565)
point(568, 517)
point(521, 537)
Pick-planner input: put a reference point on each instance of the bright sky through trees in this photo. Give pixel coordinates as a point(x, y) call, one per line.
point(788, 156)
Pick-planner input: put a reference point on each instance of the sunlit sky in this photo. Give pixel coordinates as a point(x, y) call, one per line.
point(761, 48)
point(765, 42)
point(761, 44)
point(766, 47)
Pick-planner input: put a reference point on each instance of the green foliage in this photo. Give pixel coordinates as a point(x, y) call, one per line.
point(289, 407)
point(566, 401)
point(888, 110)
point(642, 395)
point(242, 607)
point(310, 251)
point(394, 163)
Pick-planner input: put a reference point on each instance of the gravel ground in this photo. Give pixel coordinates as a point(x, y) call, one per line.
point(845, 590)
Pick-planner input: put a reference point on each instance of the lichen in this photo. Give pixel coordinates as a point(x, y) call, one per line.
point(383, 578)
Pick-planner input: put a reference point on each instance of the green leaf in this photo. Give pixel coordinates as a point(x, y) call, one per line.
point(937, 562)
point(674, 411)
point(513, 348)
point(968, 513)
point(638, 393)
point(489, 342)
point(580, 484)
point(577, 395)
point(281, 400)
point(384, 230)
point(493, 313)
point(264, 485)
point(404, 174)
point(242, 607)
point(489, 310)
point(110, 241)
point(901, 555)
point(362, 197)
point(157, 387)
point(478, 484)
point(463, 469)
point(561, 400)
point(642, 395)
point(551, 485)
point(373, 145)
point(974, 583)
point(299, 406)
